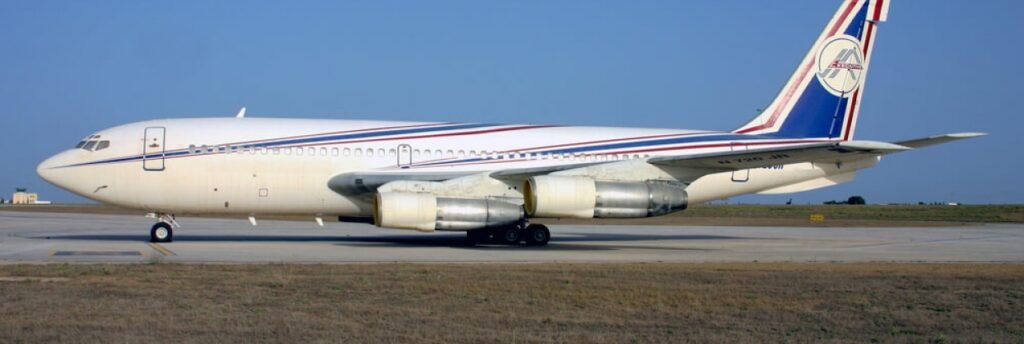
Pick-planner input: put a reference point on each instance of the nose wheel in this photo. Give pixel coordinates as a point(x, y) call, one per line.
point(161, 232)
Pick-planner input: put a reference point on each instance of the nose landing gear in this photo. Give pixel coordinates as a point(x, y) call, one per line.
point(163, 230)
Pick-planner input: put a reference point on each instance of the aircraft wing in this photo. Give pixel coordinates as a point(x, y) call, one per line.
point(684, 168)
point(763, 157)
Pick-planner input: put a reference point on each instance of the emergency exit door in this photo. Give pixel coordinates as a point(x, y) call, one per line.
point(153, 149)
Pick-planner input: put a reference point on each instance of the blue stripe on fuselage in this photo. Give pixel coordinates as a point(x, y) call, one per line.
point(634, 144)
point(286, 142)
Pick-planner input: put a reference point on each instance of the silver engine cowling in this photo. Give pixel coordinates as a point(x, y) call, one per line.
point(426, 212)
point(581, 197)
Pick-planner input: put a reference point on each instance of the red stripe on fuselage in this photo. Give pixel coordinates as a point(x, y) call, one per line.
point(476, 132)
point(606, 141)
point(712, 145)
point(342, 132)
point(373, 140)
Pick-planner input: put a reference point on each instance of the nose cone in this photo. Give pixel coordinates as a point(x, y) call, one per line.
point(48, 169)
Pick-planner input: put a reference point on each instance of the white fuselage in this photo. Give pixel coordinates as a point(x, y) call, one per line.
point(260, 166)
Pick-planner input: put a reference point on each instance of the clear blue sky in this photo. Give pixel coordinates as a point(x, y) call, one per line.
point(68, 68)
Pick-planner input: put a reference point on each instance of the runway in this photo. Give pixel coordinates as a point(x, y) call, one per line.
point(58, 237)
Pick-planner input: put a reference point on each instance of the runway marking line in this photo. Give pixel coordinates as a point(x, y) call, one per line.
point(163, 250)
point(96, 253)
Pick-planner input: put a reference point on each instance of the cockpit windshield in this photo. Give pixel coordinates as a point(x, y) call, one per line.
point(93, 143)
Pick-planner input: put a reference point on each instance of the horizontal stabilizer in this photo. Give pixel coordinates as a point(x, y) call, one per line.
point(938, 139)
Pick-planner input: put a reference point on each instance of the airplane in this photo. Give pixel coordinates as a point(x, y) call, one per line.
point(490, 180)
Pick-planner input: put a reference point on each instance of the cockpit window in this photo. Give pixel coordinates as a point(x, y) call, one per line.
point(93, 145)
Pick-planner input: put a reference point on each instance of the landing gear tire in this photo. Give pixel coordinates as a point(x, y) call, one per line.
point(510, 235)
point(161, 232)
point(537, 235)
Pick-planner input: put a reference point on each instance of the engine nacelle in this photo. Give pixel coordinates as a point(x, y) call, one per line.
point(427, 212)
point(581, 197)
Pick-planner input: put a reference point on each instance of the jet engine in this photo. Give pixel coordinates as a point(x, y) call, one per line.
point(426, 212)
point(581, 197)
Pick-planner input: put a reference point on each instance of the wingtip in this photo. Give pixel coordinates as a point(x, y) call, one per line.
point(967, 135)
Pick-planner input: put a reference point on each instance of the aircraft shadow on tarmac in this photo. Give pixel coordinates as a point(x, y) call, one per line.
point(560, 241)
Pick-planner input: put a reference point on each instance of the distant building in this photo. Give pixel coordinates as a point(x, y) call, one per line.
point(22, 196)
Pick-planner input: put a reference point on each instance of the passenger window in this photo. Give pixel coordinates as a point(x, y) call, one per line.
point(323, 151)
point(346, 152)
point(298, 151)
point(369, 152)
point(334, 151)
point(462, 154)
point(311, 151)
point(359, 151)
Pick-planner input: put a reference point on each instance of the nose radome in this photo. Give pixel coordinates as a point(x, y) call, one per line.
point(47, 169)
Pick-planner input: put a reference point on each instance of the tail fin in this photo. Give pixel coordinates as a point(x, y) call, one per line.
point(821, 99)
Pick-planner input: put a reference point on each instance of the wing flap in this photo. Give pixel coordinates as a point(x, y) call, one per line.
point(763, 157)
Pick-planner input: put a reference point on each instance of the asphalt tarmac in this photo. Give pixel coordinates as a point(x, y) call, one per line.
point(81, 238)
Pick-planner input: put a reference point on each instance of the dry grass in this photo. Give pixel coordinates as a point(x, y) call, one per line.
point(835, 216)
point(513, 303)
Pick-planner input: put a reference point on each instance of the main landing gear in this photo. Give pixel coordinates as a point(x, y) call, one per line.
point(163, 230)
point(531, 235)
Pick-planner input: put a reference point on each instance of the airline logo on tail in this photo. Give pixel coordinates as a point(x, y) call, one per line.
point(840, 65)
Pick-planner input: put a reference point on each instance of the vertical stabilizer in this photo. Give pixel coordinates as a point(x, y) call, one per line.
point(822, 98)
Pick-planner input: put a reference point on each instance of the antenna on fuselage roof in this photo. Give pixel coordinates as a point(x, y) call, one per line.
point(241, 113)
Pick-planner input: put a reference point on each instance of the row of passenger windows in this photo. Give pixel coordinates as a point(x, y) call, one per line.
point(417, 154)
